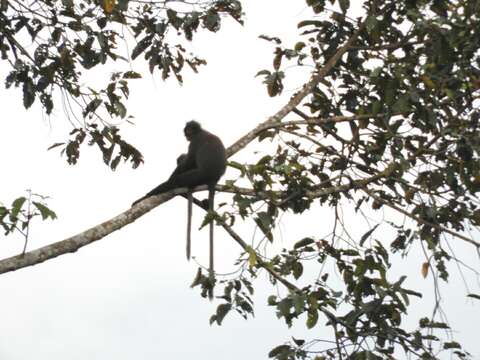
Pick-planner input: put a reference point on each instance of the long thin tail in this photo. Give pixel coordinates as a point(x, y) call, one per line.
point(189, 224)
point(211, 271)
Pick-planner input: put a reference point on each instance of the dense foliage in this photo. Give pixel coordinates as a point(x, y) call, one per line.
point(71, 37)
point(390, 125)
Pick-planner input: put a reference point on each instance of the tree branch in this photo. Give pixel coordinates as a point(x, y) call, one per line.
point(95, 233)
point(73, 243)
point(327, 120)
point(298, 97)
point(420, 220)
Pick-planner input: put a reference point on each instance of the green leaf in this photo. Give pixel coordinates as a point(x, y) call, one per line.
point(16, 207)
point(371, 23)
point(45, 212)
point(344, 5)
point(303, 242)
point(474, 296)
point(390, 91)
point(312, 318)
point(299, 46)
point(317, 23)
point(402, 105)
point(317, 5)
point(252, 256)
point(264, 222)
point(213, 318)
point(141, 46)
point(274, 83)
point(436, 325)
point(367, 235)
point(299, 302)
point(284, 307)
point(376, 72)
point(198, 278)
point(122, 5)
point(212, 21)
point(350, 252)
point(120, 109)
point(28, 93)
point(92, 106)
point(297, 269)
point(236, 165)
point(114, 163)
point(376, 107)
point(272, 300)
point(222, 311)
point(275, 40)
point(132, 75)
point(451, 345)
point(298, 342)
point(174, 19)
point(55, 145)
point(279, 350)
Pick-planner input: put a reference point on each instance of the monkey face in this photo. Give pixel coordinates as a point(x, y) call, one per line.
point(191, 129)
point(188, 135)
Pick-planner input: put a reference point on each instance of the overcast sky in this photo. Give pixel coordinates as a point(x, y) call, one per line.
point(127, 296)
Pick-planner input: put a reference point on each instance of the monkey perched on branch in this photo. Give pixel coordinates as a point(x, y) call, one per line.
point(204, 164)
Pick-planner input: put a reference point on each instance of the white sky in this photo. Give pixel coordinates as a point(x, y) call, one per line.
point(127, 296)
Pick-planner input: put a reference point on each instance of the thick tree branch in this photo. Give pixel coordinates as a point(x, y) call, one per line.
point(72, 244)
point(327, 120)
point(298, 97)
point(95, 233)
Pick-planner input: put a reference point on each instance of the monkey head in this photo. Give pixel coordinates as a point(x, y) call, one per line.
point(191, 129)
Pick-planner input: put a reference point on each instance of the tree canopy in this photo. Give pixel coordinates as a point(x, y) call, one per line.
point(388, 123)
point(70, 38)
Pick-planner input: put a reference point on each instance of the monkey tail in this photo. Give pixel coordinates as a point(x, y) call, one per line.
point(211, 271)
point(189, 224)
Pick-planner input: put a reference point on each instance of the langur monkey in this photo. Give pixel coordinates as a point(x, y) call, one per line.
point(204, 164)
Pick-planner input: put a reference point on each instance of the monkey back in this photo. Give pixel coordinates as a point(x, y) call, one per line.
point(210, 156)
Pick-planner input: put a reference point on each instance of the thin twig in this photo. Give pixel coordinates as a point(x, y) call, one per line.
point(420, 220)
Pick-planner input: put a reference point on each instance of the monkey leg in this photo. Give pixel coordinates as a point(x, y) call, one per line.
point(189, 178)
point(163, 187)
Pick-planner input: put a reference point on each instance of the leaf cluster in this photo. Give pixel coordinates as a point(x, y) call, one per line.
point(391, 128)
point(52, 45)
point(19, 215)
